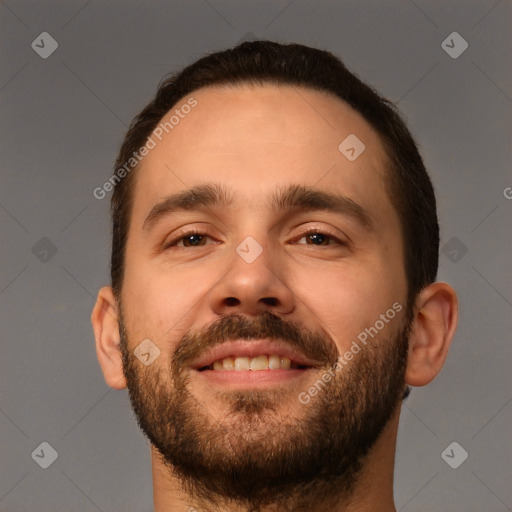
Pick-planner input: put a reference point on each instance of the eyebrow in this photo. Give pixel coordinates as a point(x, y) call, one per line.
point(291, 197)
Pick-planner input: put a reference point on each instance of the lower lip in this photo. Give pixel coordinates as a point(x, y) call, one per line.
point(248, 378)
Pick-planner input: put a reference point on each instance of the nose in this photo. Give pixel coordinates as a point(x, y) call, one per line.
point(253, 287)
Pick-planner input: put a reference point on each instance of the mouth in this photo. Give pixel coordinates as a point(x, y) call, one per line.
point(248, 363)
point(255, 364)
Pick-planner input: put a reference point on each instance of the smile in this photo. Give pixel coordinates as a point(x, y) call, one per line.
point(262, 362)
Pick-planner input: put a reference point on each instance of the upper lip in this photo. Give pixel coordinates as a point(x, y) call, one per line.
point(245, 348)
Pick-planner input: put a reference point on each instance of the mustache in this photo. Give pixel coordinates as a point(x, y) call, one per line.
point(314, 345)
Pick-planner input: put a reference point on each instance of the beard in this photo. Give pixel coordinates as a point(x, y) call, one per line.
point(268, 449)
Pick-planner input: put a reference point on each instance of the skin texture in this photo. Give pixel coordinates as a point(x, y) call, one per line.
point(254, 140)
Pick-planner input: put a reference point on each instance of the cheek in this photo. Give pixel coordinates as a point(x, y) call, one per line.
point(158, 298)
point(345, 301)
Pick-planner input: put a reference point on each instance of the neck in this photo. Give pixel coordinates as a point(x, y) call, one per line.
point(372, 492)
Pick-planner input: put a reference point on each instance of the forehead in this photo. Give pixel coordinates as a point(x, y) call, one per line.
point(256, 138)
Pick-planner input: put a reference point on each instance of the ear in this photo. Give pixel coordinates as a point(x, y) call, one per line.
point(104, 319)
point(432, 330)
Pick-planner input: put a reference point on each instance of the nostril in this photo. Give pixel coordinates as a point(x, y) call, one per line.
point(271, 301)
point(232, 301)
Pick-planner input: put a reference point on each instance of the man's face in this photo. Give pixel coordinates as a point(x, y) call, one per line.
point(290, 277)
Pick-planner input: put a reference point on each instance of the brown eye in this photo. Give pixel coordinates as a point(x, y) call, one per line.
point(193, 240)
point(188, 239)
point(319, 238)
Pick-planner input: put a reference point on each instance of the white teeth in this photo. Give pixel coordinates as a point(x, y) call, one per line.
point(242, 363)
point(274, 362)
point(263, 362)
point(228, 363)
point(259, 363)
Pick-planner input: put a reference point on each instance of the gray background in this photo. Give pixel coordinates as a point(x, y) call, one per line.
point(62, 120)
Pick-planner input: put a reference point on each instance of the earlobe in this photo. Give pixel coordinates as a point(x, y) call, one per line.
point(432, 330)
point(104, 319)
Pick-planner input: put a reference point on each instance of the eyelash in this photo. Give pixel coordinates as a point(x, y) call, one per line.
point(172, 243)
